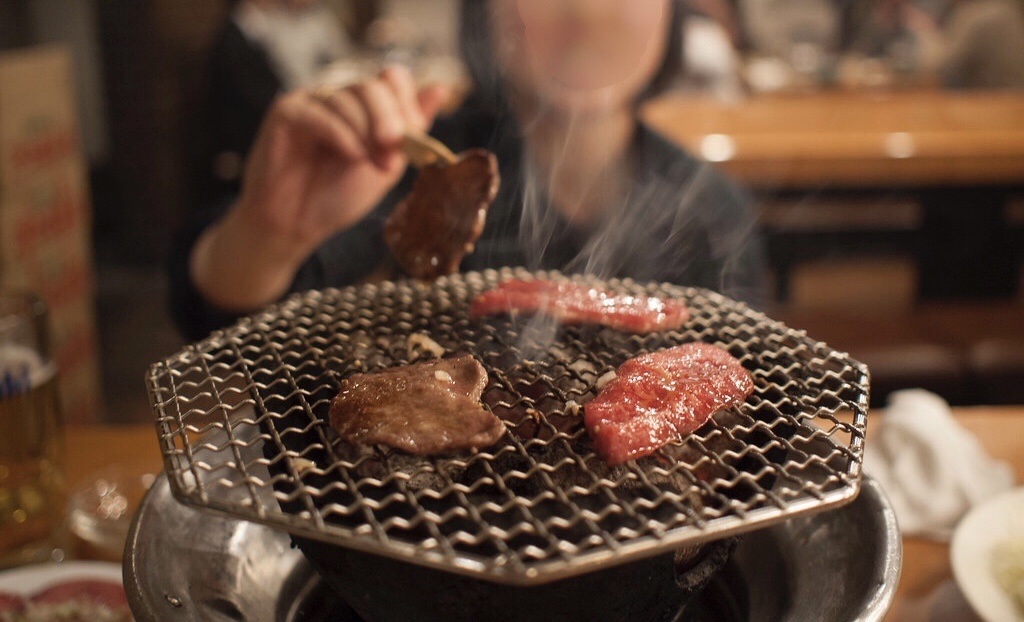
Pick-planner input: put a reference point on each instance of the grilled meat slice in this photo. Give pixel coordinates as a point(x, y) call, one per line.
point(572, 303)
point(424, 409)
point(434, 227)
point(659, 397)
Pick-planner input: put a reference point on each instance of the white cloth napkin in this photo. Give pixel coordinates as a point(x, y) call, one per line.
point(931, 468)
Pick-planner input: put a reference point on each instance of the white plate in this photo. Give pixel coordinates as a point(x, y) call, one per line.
point(985, 527)
point(28, 580)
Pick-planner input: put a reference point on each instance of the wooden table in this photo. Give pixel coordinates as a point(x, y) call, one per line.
point(90, 448)
point(853, 138)
point(130, 450)
point(961, 154)
point(925, 593)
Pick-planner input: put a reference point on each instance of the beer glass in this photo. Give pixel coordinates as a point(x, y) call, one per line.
point(31, 477)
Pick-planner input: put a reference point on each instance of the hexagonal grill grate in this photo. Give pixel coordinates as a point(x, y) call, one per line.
point(241, 419)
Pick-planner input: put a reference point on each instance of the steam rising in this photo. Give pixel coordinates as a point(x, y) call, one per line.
point(680, 222)
point(657, 232)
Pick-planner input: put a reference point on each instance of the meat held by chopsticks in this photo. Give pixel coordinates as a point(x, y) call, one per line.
point(572, 303)
point(424, 409)
point(660, 397)
point(432, 229)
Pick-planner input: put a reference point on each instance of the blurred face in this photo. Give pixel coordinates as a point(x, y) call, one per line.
point(298, 5)
point(580, 54)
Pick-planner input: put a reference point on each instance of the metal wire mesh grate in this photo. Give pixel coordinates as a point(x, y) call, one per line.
point(241, 419)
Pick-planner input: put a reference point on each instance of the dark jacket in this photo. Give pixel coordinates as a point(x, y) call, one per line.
point(242, 86)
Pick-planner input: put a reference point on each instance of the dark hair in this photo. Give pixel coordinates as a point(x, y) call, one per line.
point(476, 48)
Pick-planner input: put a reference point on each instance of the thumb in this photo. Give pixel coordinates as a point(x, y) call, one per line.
point(431, 99)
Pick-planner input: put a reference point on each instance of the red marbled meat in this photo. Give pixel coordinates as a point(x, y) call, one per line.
point(572, 303)
point(658, 398)
point(83, 600)
point(11, 604)
point(423, 409)
point(105, 593)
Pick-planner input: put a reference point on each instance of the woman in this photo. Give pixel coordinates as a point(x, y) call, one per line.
point(586, 187)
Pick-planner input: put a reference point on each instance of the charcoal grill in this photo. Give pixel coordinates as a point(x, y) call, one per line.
point(539, 506)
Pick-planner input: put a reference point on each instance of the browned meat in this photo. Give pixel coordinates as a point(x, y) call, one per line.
point(434, 227)
point(424, 409)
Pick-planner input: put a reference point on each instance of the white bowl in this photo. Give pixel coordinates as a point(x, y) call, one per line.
point(989, 525)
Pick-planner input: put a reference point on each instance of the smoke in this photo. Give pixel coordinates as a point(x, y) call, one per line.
point(538, 221)
point(659, 215)
point(679, 220)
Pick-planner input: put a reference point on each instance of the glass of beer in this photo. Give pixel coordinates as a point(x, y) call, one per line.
point(31, 445)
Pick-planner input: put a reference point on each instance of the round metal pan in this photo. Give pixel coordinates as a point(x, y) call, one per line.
point(184, 564)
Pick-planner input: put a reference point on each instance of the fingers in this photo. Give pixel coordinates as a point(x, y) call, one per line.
point(387, 123)
point(401, 83)
point(351, 110)
point(377, 112)
point(369, 119)
point(431, 99)
point(419, 106)
point(302, 111)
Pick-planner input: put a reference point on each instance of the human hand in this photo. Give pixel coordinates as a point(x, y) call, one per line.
point(320, 163)
point(323, 160)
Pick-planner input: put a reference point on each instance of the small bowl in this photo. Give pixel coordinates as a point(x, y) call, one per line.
point(100, 509)
point(986, 527)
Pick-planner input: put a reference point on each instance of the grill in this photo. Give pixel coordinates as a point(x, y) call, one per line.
point(241, 420)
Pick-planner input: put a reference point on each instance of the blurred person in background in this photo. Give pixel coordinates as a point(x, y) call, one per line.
point(779, 27)
point(711, 39)
point(266, 47)
point(586, 186)
point(979, 45)
point(789, 43)
point(872, 27)
point(963, 43)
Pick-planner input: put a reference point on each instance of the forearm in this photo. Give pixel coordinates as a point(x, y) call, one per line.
point(237, 267)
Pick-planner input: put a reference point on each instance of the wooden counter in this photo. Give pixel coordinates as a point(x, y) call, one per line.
point(926, 592)
point(960, 154)
point(853, 138)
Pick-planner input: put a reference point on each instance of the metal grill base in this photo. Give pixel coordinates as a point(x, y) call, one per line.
point(182, 565)
point(386, 590)
point(725, 598)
